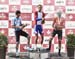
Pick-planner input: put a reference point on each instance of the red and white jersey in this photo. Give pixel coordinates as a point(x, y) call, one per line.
point(38, 17)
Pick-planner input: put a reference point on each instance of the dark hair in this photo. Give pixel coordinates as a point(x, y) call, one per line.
point(17, 12)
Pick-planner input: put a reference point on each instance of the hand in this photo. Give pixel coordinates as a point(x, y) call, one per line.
point(24, 25)
point(20, 27)
point(43, 21)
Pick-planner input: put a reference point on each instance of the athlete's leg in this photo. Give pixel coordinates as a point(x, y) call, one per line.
point(59, 40)
point(50, 40)
point(26, 35)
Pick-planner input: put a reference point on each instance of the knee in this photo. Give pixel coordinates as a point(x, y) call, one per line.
point(36, 37)
point(17, 42)
point(59, 40)
point(51, 39)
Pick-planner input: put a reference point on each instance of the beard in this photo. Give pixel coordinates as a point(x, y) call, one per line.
point(59, 14)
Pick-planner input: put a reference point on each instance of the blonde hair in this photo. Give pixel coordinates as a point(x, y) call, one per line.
point(40, 5)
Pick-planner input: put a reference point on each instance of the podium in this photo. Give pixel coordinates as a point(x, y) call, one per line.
point(38, 54)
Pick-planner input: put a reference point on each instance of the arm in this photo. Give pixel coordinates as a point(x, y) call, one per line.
point(43, 18)
point(63, 25)
point(34, 20)
point(23, 25)
point(53, 23)
point(15, 26)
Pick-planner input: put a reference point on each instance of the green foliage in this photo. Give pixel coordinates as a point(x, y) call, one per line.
point(71, 40)
point(3, 40)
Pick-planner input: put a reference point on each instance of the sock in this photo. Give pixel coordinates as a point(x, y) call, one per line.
point(50, 44)
point(16, 49)
point(59, 50)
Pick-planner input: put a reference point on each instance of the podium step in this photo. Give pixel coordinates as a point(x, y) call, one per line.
point(37, 55)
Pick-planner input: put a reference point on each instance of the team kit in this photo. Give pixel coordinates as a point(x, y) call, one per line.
point(39, 20)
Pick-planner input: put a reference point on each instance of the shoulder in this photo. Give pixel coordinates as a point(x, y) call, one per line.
point(20, 18)
point(43, 12)
point(55, 18)
point(36, 12)
point(63, 19)
point(14, 19)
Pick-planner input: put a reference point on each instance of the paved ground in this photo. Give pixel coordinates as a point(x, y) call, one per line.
point(37, 55)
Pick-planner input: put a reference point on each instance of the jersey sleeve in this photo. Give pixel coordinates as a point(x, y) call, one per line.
point(20, 21)
point(35, 15)
point(43, 14)
point(13, 22)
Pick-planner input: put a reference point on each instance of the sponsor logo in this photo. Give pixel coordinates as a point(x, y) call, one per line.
point(60, 2)
point(70, 24)
point(4, 8)
point(36, 2)
point(3, 24)
point(25, 9)
point(48, 9)
point(70, 9)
